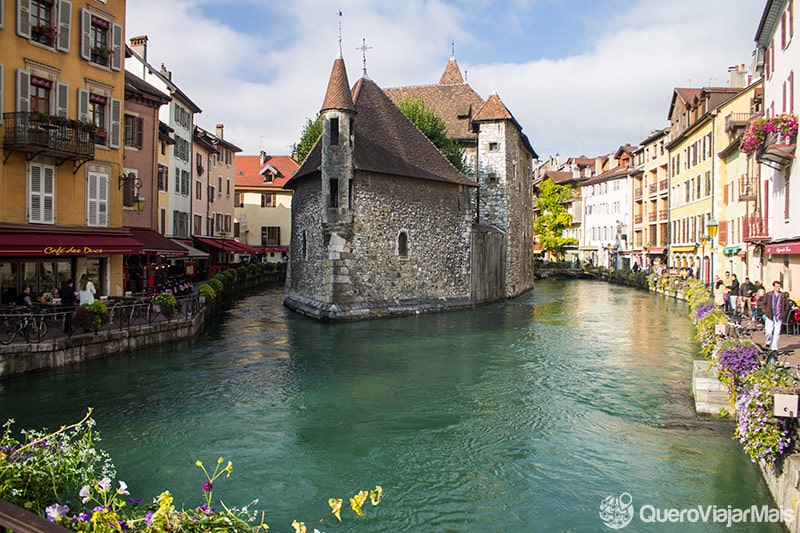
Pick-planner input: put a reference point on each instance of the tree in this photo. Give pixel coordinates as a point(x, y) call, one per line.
point(311, 132)
point(434, 128)
point(553, 217)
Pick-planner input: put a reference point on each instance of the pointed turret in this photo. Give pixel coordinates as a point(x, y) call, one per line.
point(452, 74)
point(493, 109)
point(338, 94)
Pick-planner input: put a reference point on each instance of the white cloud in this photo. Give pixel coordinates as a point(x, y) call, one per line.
point(263, 83)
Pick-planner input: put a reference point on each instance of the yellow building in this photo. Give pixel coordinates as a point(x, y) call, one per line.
point(693, 176)
point(62, 92)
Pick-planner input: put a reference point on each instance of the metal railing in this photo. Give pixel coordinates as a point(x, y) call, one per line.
point(43, 322)
point(24, 132)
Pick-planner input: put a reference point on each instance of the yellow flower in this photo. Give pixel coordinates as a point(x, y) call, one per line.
point(375, 495)
point(299, 527)
point(357, 501)
point(229, 468)
point(336, 507)
point(219, 461)
point(199, 463)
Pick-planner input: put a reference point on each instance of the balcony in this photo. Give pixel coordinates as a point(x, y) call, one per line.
point(637, 194)
point(748, 188)
point(778, 149)
point(651, 217)
point(652, 188)
point(663, 214)
point(37, 134)
point(754, 229)
point(663, 185)
point(637, 219)
point(738, 120)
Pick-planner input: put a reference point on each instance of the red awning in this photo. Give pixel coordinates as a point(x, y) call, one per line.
point(155, 243)
point(783, 248)
point(229, 245)
point(65, 244)
point(656, 251)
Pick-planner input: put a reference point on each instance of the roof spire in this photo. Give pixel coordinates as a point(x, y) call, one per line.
point(340, 35)
point(452, 49)
point(364, 49)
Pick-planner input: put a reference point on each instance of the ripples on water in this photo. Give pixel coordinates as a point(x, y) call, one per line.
point(520, 416)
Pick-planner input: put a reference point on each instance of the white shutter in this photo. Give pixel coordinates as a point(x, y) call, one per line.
point(64, 24)
point(91, 199)
point(86, 34)
point(62, 100)
point(102, 200)
point(1, 13)
point(24, 18)
point(115, 129)
point(48, 194)
point(116, 47)
point(83, 105)
point(35, 193)
point(1, 71)
point(23, 90)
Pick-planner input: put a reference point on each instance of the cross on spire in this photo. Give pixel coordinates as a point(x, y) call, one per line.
point(364, 49)
point(340, 34)
point(453, 49)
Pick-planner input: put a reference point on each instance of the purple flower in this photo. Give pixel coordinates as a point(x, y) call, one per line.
point(134, 501)
point(56, 511)
point(148, 518)
point(207, 486)
point(82, 517)
point(205, 509)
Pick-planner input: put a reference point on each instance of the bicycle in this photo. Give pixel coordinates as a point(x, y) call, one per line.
point(23, 324)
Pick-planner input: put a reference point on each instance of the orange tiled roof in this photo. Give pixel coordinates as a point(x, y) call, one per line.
point(452, 74)
point(338, 94)
point(249, 170)
point(456, 104)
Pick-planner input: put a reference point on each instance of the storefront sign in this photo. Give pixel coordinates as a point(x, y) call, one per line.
point(72, 250)
point(784, 248)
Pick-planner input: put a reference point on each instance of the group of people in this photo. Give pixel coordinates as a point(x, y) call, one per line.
point(66, 293)
point(751, 299)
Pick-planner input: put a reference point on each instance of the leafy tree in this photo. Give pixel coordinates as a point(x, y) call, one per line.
point(434, 128)
point(311, 132)
point(553, 217)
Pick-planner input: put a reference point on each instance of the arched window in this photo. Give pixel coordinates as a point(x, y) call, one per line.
point(402, 245)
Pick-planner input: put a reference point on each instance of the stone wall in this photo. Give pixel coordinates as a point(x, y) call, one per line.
point(489, 271)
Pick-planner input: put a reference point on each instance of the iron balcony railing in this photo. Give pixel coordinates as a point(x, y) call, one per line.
point(25, 132)
point(755, 229)
point(748, 188)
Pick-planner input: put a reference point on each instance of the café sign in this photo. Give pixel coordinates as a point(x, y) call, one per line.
point(72, 250)
point(783, 248)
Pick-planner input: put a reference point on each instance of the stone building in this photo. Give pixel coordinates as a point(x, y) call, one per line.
point(493, 143)
point(382, 223)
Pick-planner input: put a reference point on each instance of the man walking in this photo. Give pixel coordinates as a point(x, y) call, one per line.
point(775, 306)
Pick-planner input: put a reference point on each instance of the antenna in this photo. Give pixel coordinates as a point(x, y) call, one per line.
point(452, 49)
point(364, 49)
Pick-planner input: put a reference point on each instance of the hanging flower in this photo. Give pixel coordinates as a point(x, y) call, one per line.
point(759, 128)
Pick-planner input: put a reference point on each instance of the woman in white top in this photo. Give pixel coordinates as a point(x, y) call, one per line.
point(87, 290)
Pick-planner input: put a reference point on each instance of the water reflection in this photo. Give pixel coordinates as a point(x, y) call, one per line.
point(517, 416)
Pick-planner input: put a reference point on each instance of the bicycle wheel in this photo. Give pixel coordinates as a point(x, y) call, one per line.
point(36, 330)
point(8, 330)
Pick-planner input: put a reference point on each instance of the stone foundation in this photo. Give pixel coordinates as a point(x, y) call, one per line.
point(372, 310)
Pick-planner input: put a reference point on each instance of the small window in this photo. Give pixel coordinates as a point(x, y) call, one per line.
point(333, 200)
point(493, 147)
point(334, 131)
point(402, 245)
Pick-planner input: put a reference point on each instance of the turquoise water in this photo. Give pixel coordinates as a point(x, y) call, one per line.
point(519, 416)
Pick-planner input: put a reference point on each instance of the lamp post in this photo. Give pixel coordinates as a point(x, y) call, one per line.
point(703, 241)
point(138, 200)
point(222, 236)
point(711, 227)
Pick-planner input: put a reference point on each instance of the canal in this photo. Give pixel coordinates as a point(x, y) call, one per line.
point(519, 416)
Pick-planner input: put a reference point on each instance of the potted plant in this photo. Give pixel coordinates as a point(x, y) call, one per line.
point(167, 304)
point(206, 291)
point(90, 316)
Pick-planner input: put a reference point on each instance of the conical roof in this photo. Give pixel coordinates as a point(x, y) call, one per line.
point(493, 109)
point(452, 74)
point(338, 94)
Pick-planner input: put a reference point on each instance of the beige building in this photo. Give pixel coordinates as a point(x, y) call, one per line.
point(651, 200)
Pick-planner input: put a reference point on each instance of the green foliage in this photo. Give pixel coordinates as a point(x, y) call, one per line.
point(216, 284)
point(434, 128)
point(311, 132)
point(207, 290)
point(61, 476)
point(91, 316)
point(553, 217)
point(168, 303)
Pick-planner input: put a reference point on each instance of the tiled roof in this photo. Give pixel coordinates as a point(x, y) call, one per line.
point(456, 104)
point(249, 170)
point(558, 176)
point(614, 173)
point(139, 88)
point(493, 109)
point(338, 94)
point(452, 74)
point(387, 142)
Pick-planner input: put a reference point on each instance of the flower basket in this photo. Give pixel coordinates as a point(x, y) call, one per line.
point(166, 304)
point(90, 316)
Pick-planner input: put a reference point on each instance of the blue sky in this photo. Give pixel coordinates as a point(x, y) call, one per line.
point(581, 76)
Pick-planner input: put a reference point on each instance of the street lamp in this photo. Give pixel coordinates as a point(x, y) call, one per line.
point(711, 227)
point(222, 236)
point(137, 200)
point(703, 240)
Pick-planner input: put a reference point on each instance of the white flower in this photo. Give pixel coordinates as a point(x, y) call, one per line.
point(123, 488)
point(104, 484)
point(84, 494)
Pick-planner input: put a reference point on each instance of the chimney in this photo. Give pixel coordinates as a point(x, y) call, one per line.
point(139, 45)
point(166, 73)
point(263, 157)
point(737, 76)
point(221, 131)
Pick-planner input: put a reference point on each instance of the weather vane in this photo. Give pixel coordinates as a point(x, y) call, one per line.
point(340, 33)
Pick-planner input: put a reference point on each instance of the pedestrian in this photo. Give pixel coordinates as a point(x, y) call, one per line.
point(746, 293)
point(67, 294)
point(775, 306)
point(87, 290)
point(733, 295)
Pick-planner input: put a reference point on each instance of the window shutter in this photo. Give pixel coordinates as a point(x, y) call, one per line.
point(116, 50)
point(35, 194)
point(24, 18)
point(1, 13)
point(86, 34)
point(48, 194)
point(23, 90)
point(115, 129)
point(64, 23)
point(102, 200)
point(139, 130)
point(91, 199)
point(62, 100)
point(1, 71)
point(83, 105)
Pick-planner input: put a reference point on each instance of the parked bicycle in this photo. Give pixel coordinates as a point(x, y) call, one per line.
point(24, 324)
